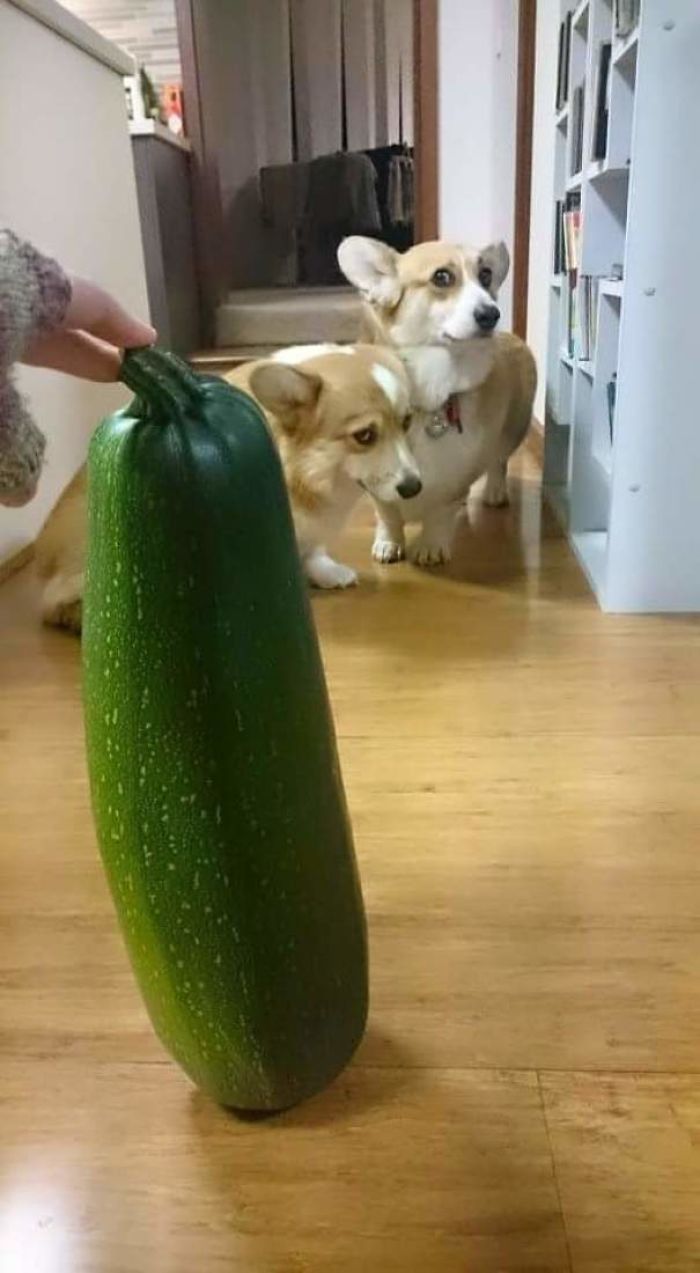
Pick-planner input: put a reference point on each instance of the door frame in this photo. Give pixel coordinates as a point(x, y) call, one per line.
point(425, 117)
point(527, 34)
point(207, 210)
point(206, 196)
point(207, 204)
point(426, 112)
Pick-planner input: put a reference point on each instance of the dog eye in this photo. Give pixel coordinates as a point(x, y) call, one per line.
point(406, 423)
point(366, 436)
point(444, 278)
point(486, 276)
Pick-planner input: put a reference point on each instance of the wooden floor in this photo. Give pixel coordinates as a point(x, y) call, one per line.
point(523, 773)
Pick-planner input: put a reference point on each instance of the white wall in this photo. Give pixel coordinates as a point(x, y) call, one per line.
point(66, 184)
point(541, 218)
point(317, 75)
point(360, 86)
point(146, 28)
point(477, 86)
point(398, 67)
point(243, 51)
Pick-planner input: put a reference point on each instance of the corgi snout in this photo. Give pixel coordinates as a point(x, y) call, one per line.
point(409, 486)
point(486, 317)
point(409, 482)
point(472, 312)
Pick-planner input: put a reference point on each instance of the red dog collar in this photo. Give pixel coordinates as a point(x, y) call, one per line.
point(452, 412)
point(445, 419)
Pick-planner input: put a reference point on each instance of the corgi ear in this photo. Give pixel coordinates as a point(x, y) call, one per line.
point(372, 268)
point(497, 258)
point(287, 392)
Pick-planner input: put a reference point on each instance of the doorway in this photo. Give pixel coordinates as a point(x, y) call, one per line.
point(310, 120)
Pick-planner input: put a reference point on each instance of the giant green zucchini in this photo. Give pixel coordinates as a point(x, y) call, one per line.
point(214, 776)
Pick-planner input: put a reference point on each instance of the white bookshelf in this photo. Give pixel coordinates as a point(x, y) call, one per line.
point(631, 503)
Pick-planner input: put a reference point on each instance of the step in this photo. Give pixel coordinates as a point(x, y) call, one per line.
point(219, 361)
point(288, 316)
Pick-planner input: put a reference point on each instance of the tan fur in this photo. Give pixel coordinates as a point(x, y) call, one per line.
point(436, 304)
point(60, 557)
point(313, 438)
point(309, 438)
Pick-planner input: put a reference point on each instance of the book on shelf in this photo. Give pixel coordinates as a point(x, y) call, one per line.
point(582, 332)
point(572, 237)
point(611, 393)
point(595, 293)
point(599, 149)
point(567, 233)
point(626, 17)
point(578, 102)
point(571, 319)
point(587, 315)
point(563, 63)
point(570, 231)
point(559, 263)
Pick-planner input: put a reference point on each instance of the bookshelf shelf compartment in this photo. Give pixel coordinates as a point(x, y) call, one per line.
point(626, 183)
point(627, 48)
point(602, 171)
point(622, 98)
point(591, 548)
point(558, 499)
point(604, 226)
point(580, 18)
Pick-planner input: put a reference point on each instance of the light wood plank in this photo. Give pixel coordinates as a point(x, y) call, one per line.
point(124, 1168)
point(522, 774)
point(627, 1152)
point(10, 565)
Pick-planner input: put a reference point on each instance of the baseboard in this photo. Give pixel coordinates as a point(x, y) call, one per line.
point(223, 360)
point(12, 564)
point(535, 442)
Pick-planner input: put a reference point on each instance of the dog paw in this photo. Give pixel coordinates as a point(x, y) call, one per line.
point(68, 615)
point(387, 551)
point(430, 553)
point(342, 576)
point(496, 494)
point(327, 573)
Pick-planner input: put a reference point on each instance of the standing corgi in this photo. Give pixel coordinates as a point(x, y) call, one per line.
point(472, 389)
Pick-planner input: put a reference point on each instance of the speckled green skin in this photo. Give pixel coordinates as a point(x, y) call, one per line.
point(215, 784)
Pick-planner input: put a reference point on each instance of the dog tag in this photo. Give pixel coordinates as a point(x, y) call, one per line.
point(437, 425)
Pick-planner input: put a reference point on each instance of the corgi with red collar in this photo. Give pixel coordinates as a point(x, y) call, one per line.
point(472, 389)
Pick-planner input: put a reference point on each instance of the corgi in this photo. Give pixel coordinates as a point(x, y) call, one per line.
point(472, 389)
point(339, 416)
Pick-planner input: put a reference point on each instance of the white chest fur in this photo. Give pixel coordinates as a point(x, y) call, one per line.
point(437, 371)
point(451, 460)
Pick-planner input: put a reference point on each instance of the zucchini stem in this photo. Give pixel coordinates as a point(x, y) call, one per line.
point(161, 379)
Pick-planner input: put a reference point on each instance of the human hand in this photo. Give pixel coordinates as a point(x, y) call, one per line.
point(92, 337)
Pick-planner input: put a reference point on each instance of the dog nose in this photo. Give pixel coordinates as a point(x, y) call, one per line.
point(409, 486)
point(486, 317)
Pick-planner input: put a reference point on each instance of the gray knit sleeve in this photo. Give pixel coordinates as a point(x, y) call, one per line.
point(34, 296)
